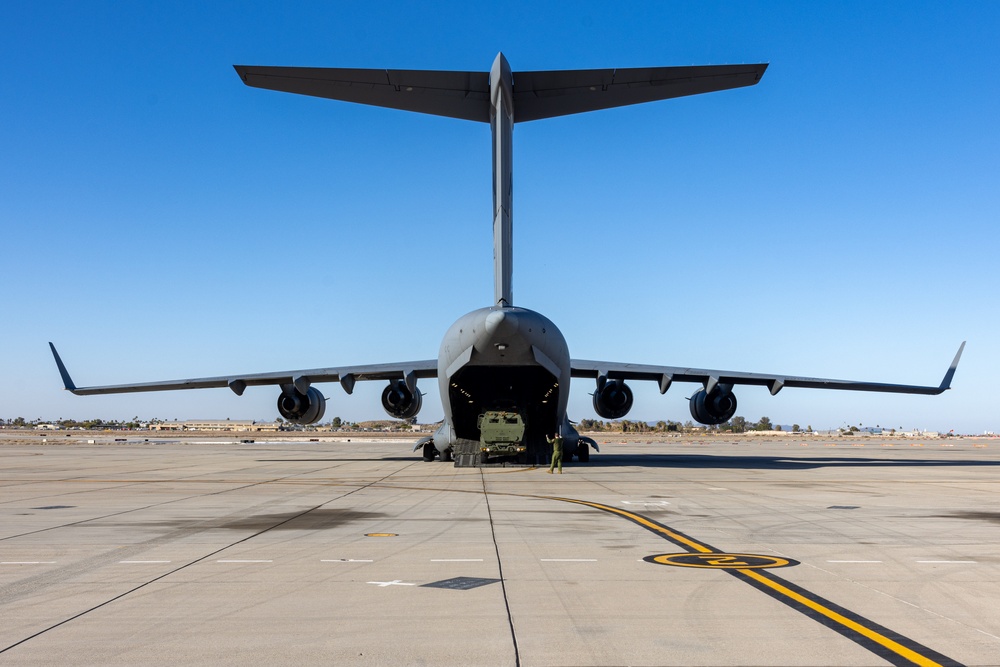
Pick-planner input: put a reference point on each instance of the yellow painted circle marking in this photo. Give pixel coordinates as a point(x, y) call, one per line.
point(721, 561)
point(381, 534)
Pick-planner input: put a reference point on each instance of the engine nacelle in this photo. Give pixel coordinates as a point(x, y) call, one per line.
point(613, 399)
point(399, 402)
point(301, 408)
point(715, 408)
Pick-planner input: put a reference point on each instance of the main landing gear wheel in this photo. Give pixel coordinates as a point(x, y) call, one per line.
point(583, 452)
point(429, 451)
point(446, 455)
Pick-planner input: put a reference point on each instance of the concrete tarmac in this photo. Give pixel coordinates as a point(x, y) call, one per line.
point(685, 552)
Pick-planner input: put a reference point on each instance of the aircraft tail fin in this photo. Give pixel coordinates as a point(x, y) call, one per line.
point(502, 98)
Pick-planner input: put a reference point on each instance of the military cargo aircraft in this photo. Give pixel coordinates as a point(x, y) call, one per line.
point(503, 357)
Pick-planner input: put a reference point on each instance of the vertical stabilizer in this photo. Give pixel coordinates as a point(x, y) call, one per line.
point(502, 126)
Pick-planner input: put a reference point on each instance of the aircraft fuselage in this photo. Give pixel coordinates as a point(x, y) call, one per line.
point(504, 358)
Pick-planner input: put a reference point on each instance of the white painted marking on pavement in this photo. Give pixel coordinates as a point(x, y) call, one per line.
point(456, 560)
point(395, 582)
point(569, 560)
point(346, 560)
point(244, 561)
point(28, 562)
point(136, 562)
point(946, 561)
point(853, 561)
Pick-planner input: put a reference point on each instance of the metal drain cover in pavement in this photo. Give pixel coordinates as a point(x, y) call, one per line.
point(461, 583)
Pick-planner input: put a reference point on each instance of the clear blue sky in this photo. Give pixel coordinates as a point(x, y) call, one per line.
point(162, 220)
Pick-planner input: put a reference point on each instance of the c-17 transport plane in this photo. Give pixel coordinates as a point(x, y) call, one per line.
point(504, 358)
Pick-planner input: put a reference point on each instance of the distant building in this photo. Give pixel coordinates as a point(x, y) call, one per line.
point(217, 425)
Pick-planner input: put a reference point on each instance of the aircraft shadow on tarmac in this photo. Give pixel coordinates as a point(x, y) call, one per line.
point(722, 461)
point(988, 517)
point(317, 519)
point(713, 461)
point(345, 459)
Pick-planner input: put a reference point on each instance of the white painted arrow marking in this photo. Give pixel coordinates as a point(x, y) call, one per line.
point(395, 582)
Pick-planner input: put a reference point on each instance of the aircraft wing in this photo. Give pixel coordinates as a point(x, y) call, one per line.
point(666, 375)
point(409, 371)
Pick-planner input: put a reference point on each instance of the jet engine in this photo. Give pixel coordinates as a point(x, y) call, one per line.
point(299, 408)
point(613, 399)
point(714, 408)
point(399, 402)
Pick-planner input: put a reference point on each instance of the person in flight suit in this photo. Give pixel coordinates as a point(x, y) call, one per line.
point(557, 443)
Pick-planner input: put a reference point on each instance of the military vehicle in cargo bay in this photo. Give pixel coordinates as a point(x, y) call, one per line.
point(501, 434)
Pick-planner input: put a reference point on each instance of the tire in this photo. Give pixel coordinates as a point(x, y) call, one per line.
point(429, 451)
point(583, 452)
point(446, 455)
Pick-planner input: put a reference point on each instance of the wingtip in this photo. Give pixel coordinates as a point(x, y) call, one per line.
point(67, 380)
point(946, 382)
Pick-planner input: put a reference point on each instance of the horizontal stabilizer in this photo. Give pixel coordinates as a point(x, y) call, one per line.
point(463, 95)
point(536, 95)
point(558, 93)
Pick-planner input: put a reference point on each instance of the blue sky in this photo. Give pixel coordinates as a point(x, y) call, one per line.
point(162, 220)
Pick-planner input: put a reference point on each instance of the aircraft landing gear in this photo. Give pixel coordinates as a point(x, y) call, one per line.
point(429, 451)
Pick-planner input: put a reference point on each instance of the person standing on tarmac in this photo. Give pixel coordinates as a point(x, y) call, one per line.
point(557, 451)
